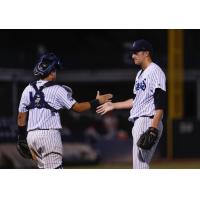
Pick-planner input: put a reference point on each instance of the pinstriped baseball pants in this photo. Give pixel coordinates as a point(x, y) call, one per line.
point(46, 147)
point(142, 158)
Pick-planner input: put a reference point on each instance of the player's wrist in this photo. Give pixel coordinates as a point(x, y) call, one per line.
point(153, 130)
point(22, 133)
point(114, 107)
point(94, 103)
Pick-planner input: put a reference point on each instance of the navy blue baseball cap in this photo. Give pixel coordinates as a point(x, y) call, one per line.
point(142, 45)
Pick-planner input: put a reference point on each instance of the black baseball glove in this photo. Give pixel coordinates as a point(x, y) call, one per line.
point(22, 145)
point(148, 138)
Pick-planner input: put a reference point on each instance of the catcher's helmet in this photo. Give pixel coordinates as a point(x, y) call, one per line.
point(46, 64)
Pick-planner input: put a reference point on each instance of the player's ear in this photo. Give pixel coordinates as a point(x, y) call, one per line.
point(146, 53)
point(149, 54)
point(53, 72)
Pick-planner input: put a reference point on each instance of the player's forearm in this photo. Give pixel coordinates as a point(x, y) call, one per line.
point(81, 107)
point(123, 104)
point(157, 118)
point(21, 119)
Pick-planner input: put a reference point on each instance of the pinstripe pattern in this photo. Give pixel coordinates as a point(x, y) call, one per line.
point(56, 96)
point(142, 158)
point(47, 147)
point(145, 84)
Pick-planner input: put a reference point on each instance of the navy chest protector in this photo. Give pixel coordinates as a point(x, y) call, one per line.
point(38, 100)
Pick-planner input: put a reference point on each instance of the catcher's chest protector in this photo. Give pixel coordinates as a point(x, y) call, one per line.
point(38, 100)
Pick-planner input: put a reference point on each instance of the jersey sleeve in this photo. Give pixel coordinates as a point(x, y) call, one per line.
point(25, 101)
point(64, 97)
point(159, 80)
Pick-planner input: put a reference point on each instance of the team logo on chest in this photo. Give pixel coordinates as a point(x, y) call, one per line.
point(141, 85)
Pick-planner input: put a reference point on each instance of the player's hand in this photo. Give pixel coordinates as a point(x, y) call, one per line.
point(103, 98)
point(106, 107)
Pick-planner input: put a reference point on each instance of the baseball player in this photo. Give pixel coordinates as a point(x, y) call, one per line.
point(41, 101)
point(147, 105)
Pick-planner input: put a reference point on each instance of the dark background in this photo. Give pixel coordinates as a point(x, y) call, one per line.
point(93, 50)
point(78, 49)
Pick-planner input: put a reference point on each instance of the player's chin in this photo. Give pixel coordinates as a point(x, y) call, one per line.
point(136, 62)
point(54, 79)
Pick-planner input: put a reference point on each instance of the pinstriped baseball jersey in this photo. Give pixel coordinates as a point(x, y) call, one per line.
point(56, 96)
point(145, 84)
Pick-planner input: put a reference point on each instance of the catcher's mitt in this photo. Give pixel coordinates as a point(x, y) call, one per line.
point(23, 149)
point(148, 138)
point(22, 145)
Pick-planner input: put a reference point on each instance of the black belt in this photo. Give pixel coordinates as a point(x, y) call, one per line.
point(135, 118)
point(37, 129)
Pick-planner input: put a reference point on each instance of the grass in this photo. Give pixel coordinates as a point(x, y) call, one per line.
point(158, 164)
point(176, 164)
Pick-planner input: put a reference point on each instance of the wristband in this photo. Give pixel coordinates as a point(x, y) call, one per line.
point(94, 103)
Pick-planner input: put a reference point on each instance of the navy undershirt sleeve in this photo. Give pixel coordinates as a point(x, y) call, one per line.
point(159, 99)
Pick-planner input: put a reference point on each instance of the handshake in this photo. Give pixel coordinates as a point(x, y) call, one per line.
point(105, 103)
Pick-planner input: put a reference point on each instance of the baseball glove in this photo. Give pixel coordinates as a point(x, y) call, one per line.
point(22, 145)
point(148, 138)
point(23, 149)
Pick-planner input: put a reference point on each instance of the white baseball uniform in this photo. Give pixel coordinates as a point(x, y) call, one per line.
point(44, 125)
point(143, 110)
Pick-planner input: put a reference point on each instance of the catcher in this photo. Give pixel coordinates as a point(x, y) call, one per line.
point(41, 101)
point(147, 105)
